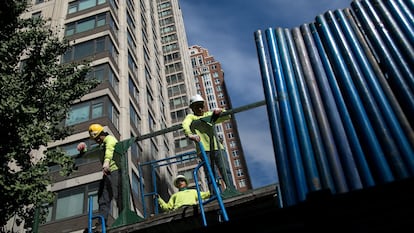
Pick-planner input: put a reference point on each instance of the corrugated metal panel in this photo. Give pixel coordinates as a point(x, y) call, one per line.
point(340, 98)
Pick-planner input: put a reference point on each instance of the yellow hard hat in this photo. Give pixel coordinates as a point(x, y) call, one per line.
point(179, 177)
point(95, 130)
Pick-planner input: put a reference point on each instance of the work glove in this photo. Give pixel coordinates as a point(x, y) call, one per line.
point(81, 147)
point(194, 137)
point(216, 114)
point(105, 167)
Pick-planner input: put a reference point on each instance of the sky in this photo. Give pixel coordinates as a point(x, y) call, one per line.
point(226, 28)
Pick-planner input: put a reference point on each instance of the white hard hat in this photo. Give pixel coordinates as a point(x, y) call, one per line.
point(195, 99)
point(178, 178)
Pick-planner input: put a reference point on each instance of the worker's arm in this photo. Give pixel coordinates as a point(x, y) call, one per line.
point(109, 164)
point(187, 123)
point(166, 206)
point(205, 195)
point(217, 114)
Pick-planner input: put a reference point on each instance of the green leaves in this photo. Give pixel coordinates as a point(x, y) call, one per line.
point(36, 93)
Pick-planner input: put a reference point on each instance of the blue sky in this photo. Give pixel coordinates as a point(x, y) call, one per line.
point(226, 28)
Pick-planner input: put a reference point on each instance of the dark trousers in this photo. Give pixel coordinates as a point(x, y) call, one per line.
point(108, 190)
point(220, 160)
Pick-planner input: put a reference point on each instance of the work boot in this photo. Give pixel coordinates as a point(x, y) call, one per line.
point(230, 192)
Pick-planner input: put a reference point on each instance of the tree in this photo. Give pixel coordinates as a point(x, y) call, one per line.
point(36, 93)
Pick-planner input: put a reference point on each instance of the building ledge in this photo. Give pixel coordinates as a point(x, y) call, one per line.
point(382, 208)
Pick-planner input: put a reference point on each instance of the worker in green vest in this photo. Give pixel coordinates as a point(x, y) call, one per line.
point(111, 176)
point(184, 197)
point(203, 132)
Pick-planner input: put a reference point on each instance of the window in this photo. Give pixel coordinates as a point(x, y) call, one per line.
point(72, 202)
point(133, 90)
point(135, 119)
point(237, 162)
point(104, 73)
point(85, 24)
point(69, 204)
point(83, 5)
point(135, 152)
point(135, 184)
point(91, 110)
point(178, 116)
point(90, 48)
point(239, 172)
point(151, 122)
point(181, 143)
point(78, 114)
point(242, 183)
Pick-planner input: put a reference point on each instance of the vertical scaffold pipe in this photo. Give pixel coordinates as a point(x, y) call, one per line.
point(286, 117)
point(288, 192)
point(391, 67)
point(309, 96)
point(391, 43)
point(348, 159)
point(404, 15)
point(316, 113)
point(397, 34)
point(292, 65)
point(402, 119)
point(328, 83)
point(334, 130)
point(390, 120)
point(363, 91)
point(354, 102)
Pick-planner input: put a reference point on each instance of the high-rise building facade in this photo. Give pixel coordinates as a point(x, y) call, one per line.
point(179, 77)
point(122, 41)
point(139, 52)
point(210, 83)
point(184, 82)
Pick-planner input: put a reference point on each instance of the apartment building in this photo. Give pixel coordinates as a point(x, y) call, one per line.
point(139, 52)
point(121, 39)
point(184, 81)
point(210, 83)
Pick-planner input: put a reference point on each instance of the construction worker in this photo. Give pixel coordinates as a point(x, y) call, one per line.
point(184, 197)
point(111, 179)
point(198, 131)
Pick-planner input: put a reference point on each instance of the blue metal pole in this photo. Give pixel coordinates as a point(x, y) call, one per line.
point(332, 127)
point(216, 189)
point(403, 16)
point(387, 55)
point(286, 116)
point(367, 100)
point(396, 33)
point(402, 119)
point(284, 173)
point(315, 111)
point(354, 103)
point(390, 121)
point(404, 62)
point(291, 62)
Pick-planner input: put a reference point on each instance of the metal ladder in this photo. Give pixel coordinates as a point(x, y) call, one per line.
point(216, 191)
point(91, 216)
